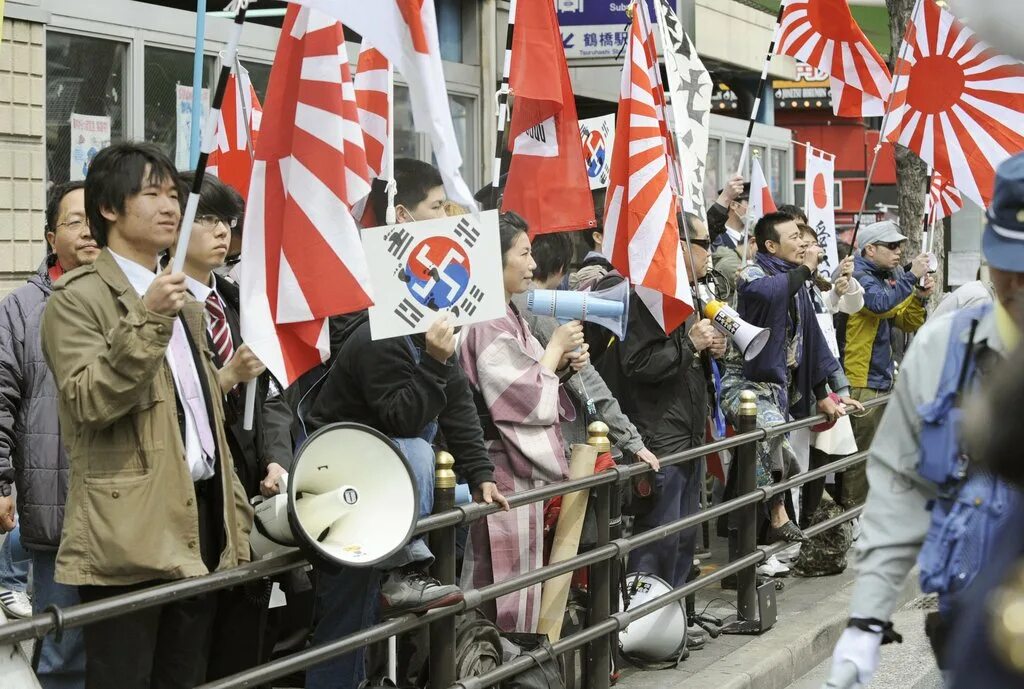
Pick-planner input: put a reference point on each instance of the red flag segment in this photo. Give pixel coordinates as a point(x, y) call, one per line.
point(957, 103)
point(641, 230)
point(231, 159)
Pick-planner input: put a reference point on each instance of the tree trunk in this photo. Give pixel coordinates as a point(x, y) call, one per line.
point(911, 171)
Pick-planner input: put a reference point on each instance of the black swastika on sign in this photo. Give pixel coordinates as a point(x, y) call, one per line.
point(409, 313)
point(398, 242)
point(467, 233)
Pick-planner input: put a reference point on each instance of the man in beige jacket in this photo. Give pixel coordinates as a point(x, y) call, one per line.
point(153, 496)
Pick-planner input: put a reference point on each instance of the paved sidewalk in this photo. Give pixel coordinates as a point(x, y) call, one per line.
point(811, 615)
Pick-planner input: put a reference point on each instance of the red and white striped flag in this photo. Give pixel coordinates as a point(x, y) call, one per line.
point(372, 97)
point(943, 199)
point(301, 250)
point(405, 32)
point(231, 160)
point(824, 35)
point(641, 229)
point(958, 104)
point(761, 201)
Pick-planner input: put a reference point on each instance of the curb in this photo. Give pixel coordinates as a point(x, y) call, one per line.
point(789, 650)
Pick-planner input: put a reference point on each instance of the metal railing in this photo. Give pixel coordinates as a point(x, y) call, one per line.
point(600, 634)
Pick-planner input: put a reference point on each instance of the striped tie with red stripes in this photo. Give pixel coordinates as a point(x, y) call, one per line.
point(220, 333)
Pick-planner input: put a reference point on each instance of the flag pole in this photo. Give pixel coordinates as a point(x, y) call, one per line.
point(389, 151)
point(503, 109)
point(760, 90)
point(197, 83)
point(885, 121)
point(746, 228)
point(209, 140)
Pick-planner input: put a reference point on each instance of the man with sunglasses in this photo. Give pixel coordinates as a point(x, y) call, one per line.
point(892, 297)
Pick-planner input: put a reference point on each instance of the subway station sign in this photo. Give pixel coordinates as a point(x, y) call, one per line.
point(595, 28)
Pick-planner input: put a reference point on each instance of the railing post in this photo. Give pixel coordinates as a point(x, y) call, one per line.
point(599, 602)
point(746, 517)
point(442, 545)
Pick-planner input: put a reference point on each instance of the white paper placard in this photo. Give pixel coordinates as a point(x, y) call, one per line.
point(598, 135)
point(420, 269)
point(90, 134)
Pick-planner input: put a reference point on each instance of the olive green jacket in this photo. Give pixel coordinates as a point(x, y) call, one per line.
point(131, 512)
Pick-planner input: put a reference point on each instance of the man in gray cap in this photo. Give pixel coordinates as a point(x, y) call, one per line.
point(892, 297)
point(928, 504)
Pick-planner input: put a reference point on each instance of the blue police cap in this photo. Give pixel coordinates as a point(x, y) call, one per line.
point(1003, 240)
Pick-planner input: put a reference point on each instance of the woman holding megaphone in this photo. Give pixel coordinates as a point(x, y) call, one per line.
point(518, 387)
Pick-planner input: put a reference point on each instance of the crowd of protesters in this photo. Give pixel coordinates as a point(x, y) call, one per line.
point(122, 393)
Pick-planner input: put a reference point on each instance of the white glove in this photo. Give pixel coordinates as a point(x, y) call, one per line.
point(859, 649)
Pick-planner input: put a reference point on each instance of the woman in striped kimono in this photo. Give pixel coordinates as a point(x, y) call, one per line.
point(518, 385)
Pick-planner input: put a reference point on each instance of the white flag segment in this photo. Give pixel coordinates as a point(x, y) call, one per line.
point(761, 202)
point(819, 204)
point(405, 32)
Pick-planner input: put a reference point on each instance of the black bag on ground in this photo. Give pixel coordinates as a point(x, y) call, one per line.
point(825, 554)
point(543, 674)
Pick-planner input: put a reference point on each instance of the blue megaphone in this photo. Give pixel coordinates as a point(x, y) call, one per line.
point(608, 308)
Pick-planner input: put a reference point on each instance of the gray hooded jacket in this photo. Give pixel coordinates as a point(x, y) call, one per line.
point(31, 453)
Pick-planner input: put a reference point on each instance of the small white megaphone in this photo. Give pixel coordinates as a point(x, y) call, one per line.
point(608, 308)
point(351, 499)
point(749, 339)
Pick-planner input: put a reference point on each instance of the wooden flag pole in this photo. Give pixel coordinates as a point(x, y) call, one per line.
point(503, 109)
point(881, 131)
point(760, 90)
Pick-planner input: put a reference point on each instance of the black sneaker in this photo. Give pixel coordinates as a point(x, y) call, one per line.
point(404, 592)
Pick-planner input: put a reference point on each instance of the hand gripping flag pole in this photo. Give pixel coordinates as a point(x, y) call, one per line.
point(760, 90)
point(503, 110)
point(881, 131)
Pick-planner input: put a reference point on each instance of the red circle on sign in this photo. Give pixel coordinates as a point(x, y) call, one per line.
point(820, 193)
point(434, 250)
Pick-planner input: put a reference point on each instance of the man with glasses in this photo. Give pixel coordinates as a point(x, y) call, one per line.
point(31, 453)
point(892, 297)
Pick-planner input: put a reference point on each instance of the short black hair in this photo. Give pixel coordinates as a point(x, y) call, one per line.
point(56, 195)
point(766, 229)
point(510, 226)
point(795, 211)
point(413, 181)
point(116, 173)
point(552, 253)
point(215, 197)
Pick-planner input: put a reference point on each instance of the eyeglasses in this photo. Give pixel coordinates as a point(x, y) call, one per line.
point(702, 243)
point(891, 246)
point(211, 220)
point(73, 225)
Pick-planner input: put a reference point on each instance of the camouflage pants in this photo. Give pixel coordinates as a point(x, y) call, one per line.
point(855, 479)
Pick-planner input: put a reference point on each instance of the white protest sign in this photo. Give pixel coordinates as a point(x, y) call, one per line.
point(598, 135)
point(90, 134)
point(820, 205)
point(183, 117)
point(421, 269)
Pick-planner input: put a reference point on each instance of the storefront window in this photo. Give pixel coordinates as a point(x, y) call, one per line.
point(411, 144)
point(167, 108)
point(86, 77)
point(449, 28)
point(712, 181)
point(463, 109)
point(779, 180)
point(733, 150)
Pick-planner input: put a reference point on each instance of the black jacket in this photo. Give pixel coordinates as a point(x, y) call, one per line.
point(380, 384)
point(659, 381)
point(270, 439)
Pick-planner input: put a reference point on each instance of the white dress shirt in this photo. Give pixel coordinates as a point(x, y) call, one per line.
point(140, 279)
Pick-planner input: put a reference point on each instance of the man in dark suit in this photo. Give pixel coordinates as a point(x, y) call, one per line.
point(261, 454)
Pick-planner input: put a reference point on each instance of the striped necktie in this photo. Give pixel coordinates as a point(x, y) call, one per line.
point(220, 333)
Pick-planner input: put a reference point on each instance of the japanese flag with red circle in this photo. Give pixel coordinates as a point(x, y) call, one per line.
point(819, 204)
point(957, 102)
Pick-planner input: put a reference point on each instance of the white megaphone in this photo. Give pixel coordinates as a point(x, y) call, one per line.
point(749, 339)
point(351, 499)
point(15, 667)
point(608, 307)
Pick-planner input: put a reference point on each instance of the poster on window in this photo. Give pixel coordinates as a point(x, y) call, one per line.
point(422, 269)
point(183, 115)
point(90, 134)
point(820, 205)
point(598, 135)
